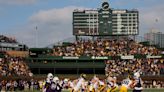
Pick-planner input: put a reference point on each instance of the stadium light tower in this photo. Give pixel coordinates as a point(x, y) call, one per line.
point(36, 39)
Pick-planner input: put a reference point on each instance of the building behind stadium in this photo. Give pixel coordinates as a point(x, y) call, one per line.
point(105, 21)
point(155, 38)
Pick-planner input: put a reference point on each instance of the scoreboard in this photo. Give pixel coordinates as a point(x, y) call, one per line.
point(105, 21)
point(85, 22)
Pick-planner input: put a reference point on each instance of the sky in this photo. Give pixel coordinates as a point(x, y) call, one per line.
point(53, 18)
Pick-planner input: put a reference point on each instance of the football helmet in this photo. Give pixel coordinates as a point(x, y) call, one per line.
point(50, 76)
point(56, 79)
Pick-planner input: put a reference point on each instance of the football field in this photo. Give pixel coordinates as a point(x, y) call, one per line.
point(145, 90)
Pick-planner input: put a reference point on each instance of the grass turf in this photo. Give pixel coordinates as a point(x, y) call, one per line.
point(145, 90)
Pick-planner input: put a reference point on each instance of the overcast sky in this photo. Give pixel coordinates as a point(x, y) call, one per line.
point(53, 18)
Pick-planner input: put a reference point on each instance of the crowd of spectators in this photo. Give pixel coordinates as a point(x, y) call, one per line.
point(14, 66)
point(19, 85)
point(5, 39)
point(147, 66)
point(105, 47)
point(116, 47)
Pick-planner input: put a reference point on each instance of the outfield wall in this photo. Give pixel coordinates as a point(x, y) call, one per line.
point(75, 65)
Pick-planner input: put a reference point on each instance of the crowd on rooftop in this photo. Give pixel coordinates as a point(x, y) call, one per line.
point(5, 39)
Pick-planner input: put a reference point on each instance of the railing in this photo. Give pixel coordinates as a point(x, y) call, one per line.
point(136, 56)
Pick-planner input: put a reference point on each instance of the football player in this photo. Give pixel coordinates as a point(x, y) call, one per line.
point(80, 86)
point(47, 84)
point(55, 85)
point(126, 84)
point(66, 83)
point(138, 82)
point(95, 84)
point(111, 84)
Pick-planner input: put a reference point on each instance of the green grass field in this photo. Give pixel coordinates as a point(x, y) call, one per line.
point(145, 90)
point(150, 90)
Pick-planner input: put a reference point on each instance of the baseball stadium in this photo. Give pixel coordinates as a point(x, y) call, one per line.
point(105, 54)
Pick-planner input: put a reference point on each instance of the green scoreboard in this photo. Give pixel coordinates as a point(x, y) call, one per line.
point(105, 20)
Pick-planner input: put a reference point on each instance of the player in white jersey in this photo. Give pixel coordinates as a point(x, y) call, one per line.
point(80, 86)
point(126, 84)
point(111, 84)
point(95, 85)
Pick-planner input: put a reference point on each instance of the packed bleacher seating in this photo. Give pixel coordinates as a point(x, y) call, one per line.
point(105, 47)
point(12, 60)
point(13, 66)
point(149, 67)
point(116, 47)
